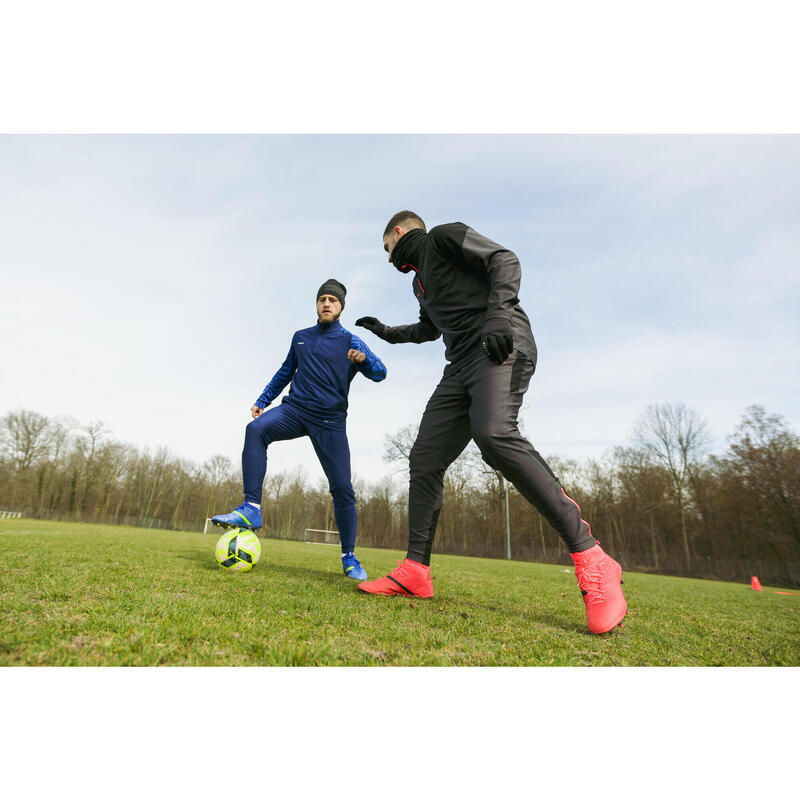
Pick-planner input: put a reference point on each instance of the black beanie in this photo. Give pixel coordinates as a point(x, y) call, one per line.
point(332, 286)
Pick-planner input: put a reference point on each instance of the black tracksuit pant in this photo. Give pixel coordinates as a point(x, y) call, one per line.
point(481, 401)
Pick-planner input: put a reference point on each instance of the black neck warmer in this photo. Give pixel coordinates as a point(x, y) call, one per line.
point(408, 249)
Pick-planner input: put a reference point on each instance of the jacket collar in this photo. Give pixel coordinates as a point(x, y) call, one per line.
point(407, 251)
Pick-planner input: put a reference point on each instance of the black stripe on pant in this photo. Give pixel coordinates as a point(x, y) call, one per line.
point(481, 401)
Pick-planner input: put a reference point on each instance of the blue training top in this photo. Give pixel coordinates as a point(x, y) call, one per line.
point(321, 372)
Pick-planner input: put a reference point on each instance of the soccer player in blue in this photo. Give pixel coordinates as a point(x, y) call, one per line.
point(322, 362)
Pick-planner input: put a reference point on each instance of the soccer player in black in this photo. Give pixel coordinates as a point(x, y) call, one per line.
point(467, 287)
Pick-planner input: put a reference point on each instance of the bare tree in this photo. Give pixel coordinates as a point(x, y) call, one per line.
point(217, 468)
point(26, 437)
point(397, 447)
point(764, 461)
point(676, 437)
point(87, 445)
point(643, 488)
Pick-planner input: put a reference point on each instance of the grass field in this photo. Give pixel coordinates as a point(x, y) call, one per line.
point(76, 594)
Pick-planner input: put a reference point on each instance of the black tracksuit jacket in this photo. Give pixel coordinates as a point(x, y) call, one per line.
point(461, 279)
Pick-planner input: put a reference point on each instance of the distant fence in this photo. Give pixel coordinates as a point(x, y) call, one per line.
point(110, 519)
point(145, 522)
point(10, 514)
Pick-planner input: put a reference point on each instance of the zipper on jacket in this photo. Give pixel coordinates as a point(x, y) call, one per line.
point(419, 282)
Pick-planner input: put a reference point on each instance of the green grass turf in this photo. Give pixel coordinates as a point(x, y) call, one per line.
point(78, 594)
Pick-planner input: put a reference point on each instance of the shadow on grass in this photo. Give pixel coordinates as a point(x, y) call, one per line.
point(204, 560)
point(454, 604)
point(207, 562)
point(446, 603)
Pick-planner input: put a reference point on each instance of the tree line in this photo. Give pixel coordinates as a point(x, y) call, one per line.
point(663, 503)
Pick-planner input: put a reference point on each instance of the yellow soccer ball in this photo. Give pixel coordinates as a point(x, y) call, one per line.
point(238, 550)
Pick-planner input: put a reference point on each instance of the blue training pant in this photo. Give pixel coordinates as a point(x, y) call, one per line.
point(282, 423)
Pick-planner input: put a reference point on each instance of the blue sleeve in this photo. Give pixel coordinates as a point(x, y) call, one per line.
point(372, 367)
point(279, 380)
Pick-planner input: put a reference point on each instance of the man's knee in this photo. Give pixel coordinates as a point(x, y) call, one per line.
point(343, 495)
point(253, 430)
point(492, 440)
point(259, 429)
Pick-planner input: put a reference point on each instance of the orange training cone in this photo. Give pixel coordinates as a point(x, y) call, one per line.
point(755, 584)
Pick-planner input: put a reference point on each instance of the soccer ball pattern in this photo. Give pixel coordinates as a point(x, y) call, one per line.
point(238, 550)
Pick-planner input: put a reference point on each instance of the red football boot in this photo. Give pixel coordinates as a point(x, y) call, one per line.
point(599, 578)
point(409, 578)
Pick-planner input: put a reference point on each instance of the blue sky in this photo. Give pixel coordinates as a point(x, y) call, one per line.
point(154, 282)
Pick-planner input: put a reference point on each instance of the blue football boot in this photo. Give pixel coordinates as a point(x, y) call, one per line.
point(246, 516)
point(352, 567)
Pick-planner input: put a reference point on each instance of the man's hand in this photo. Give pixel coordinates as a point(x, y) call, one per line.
point(372, 324)
point(496, 339)
point(356, 356)
point(256, 411)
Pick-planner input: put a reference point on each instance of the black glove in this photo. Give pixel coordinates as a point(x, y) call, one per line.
point(373, 325)
point(496, 339)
